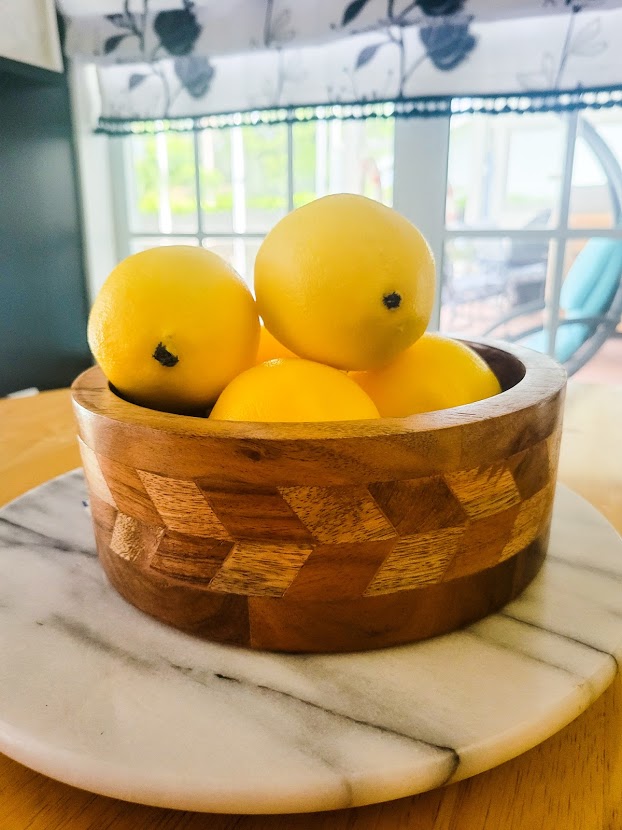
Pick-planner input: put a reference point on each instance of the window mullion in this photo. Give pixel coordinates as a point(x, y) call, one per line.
point(420, 185)
point(560, 234)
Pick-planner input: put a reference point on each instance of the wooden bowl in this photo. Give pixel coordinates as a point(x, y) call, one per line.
point(326, 537)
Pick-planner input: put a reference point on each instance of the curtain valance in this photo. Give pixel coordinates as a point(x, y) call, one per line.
point(179, 64)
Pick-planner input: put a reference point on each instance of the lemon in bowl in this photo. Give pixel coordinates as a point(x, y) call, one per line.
point(292, 390)
point(172, 326)
point(345, 281)
point(434, 373)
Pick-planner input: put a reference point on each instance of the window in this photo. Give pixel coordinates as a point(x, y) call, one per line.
point(526, 195)
point(508, 203)
point(225, 189)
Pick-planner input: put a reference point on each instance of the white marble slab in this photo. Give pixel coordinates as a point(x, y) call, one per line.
point(96, 694)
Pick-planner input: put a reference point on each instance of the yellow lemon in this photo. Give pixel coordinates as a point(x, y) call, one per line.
point(172, 326)
point(345, 281)
point(270, 348)
point(436, 372)
point(293, 390)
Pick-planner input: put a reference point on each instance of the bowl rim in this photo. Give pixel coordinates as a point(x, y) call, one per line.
point(544, 378)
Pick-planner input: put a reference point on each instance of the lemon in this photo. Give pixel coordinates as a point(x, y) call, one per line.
point(345, 281)
point(434, 373)
point(293, 390)
point(270, 348)
point(172, 326)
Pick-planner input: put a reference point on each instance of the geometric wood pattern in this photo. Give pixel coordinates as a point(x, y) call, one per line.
point(434, 529)
point(219, 517)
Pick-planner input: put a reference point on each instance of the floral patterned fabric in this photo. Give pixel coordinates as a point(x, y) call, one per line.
point(179, 64)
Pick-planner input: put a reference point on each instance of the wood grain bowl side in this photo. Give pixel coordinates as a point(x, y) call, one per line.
point(326, 537)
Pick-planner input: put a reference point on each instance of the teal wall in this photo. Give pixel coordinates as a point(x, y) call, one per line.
point(43, 306)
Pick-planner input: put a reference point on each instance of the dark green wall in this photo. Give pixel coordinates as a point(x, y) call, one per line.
point(43, 308)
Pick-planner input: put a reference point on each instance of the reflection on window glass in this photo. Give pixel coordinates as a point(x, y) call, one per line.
point(504, 170)
point(162, 193)
point(487, 279)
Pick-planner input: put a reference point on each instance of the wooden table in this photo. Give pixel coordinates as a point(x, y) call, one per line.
point(573, 781)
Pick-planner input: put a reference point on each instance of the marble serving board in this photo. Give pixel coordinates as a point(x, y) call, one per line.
point(96, 694)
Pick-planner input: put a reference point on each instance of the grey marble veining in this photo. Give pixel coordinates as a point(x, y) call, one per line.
point(97, 694)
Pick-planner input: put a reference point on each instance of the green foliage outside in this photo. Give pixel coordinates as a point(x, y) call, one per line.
point(265, 168)
point(181, 174)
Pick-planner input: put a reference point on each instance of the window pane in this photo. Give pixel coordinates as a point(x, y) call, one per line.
point(483, 287)
point(343, 156)
point(309, 161)
point(160, 181)
point(589, 289)
point(240, 253)
point(259, 167)
point(138, 243)
point(487, 279)
point(215, 174)
point(504, 171)
point(596, 194)
point(376, 159)
point(142, 184)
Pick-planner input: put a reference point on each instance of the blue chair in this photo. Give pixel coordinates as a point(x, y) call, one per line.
point(590, 305)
